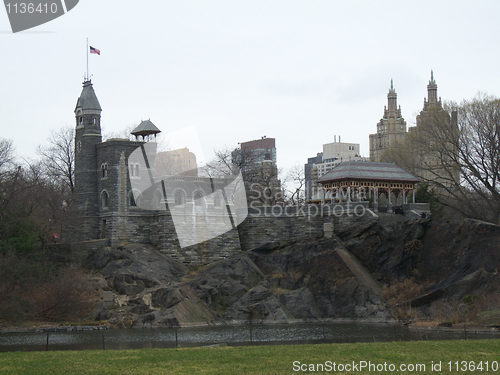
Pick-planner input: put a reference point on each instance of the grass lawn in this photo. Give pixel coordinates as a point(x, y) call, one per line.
point(483, 354)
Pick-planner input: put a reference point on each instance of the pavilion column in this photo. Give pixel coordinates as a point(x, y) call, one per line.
point(349, 194)
point(389, 203)
point(404, 196)
point(324, 194)
point(413, 194)
point(375, 199)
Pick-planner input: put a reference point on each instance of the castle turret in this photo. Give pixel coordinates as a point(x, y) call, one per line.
point(87, 136)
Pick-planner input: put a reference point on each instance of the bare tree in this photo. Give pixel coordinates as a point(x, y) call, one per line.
point(262, 182)
point(295, 182)
point(6, 154)
point(460, 159)
point(224, 163)
point(58, 158)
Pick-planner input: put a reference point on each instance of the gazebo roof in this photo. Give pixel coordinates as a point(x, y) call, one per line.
point(353, 170)
point(145, 128)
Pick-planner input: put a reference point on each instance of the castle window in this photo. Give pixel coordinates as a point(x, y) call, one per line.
point(179, 198)
point(78, 146)
point(134, 170)
point(217, 200)
point(157, 199)
point(131, 201)
point(104, 199)
point(198, 198)
point(81, 120)
point(104, 170)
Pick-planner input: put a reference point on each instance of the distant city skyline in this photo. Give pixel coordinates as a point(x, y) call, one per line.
point(299, 71)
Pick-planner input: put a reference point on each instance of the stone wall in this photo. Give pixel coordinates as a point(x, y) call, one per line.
point(266, 225)
point(262, 226)
point(157, 228)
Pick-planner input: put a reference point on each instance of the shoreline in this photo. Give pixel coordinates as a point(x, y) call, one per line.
point(34, 327)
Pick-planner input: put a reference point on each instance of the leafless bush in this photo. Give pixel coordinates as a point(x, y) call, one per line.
point(442, 311)
point(399, 294)
point(484, 310)
point(71, 295)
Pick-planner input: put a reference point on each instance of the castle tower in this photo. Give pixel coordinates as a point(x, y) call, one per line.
point(87, 136)
point(390, 129)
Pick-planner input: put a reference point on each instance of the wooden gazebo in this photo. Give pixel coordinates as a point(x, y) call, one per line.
point(356, 181)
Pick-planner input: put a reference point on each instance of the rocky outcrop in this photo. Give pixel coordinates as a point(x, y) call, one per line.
point(306, 280)
point(312, 279)
point(133, 268)
point(454, 258)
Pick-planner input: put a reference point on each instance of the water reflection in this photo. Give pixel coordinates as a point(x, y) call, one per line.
point(304, 333)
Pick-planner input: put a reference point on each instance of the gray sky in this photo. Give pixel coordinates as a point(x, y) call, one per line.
point(298, 71)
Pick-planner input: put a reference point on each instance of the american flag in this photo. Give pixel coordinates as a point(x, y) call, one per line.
point(95, 50)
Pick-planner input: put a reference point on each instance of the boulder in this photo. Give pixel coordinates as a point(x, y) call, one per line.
point(300, 303)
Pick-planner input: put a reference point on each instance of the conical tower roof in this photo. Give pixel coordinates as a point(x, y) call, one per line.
point(145, 128)
point(88, 99)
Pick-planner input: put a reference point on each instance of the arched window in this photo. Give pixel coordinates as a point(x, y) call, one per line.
point(217, 200)
point(134, 170)
point(157, 199)
point(179, 198)
point(104, 170)
point(104, 199)
point(198, 199)
point(131, 201)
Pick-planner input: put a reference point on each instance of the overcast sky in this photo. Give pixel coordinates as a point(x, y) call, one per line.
point(298, 71)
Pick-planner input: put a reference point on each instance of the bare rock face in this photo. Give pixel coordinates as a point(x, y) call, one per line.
point(300, 303)
point(455, 258)
point(313, 279)
point(133, 268)
point(225, 282)
point(307, 280)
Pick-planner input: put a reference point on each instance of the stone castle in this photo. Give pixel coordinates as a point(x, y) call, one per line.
point(108, 207)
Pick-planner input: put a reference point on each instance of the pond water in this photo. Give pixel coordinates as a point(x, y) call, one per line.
point(299, 333)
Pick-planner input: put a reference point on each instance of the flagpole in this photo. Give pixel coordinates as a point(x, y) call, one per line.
point(87, 59)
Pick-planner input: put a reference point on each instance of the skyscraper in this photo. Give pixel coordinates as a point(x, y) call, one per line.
point(390, 129)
